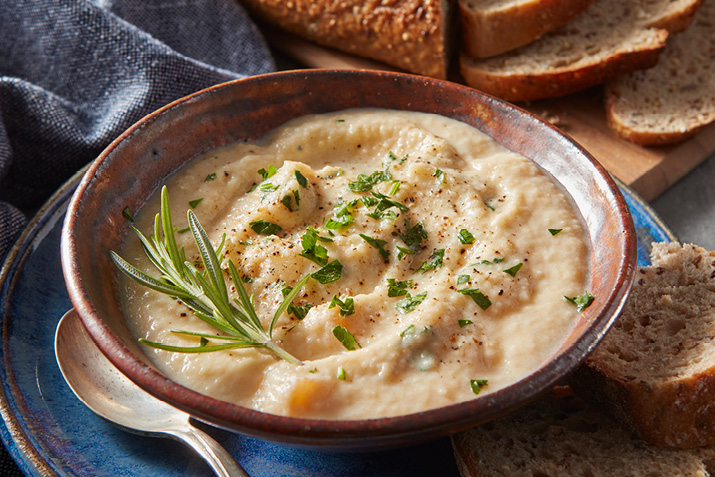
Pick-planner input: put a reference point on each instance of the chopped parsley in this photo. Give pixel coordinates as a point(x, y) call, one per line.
point(300, 178)
point(404, 251)
point(183, 231)
point(512, 270)
point(341, 374)
point(329, 273)
point(393, 157)
point(398, 288)
point(489, 262)
point(298, 310)
point(268, 187)
point(319, 237)
point(477, 384)
point(379, 245)
point(342, 215)
point(463, 323)
point(127, 213)
point(582, 301)
point(413, 235)
point(311, 249)
point(264, 227)
point(210, 177)
point(346, 338)
point(384, 203)
point(194, 203)
point(287, 200)
point(395, 187)
point(554, 231)
point(439, 174)
point(409, 303)
point(465, 237)
point(478, 297)
point(462, 279)
point(489, 206)
point(267, 173)
point(347, 307)
point(364, 183)
point(434, 261)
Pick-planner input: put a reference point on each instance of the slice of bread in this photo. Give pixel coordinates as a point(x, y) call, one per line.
point(655, 369)
point(562, 435)
point(672, 101)
point(610, 38)
point(492, 27)
point(411, 34)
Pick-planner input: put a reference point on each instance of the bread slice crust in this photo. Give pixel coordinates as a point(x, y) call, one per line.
point(655, 369)
point(498, 27)
point(414, 35)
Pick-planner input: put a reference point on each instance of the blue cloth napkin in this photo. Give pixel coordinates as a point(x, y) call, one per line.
point(74, 74)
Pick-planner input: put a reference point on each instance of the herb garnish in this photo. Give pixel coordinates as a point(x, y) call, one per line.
point(127, 213)
point(384, 203)
point(287, 200)
point(465, 237)
point(410, 302)
point(379, 245)
point(210, 177)
point(414, 235)
point(478, 297)
point(398, 288)
point(341, 374)
point(395, 187)
point(342, 215)
point(582, 301)
point(404, 251)
point(267, 173)
point(346, 338)
point(204, 292)
point(329, 273)
point(554, 231)
point(297, 310)
point(462, 279)
point(269, 187)
point(477, 384)
point(364, 182)
point(439, 174)
point(264, 227)
point(463, 323)
point(311, 249)
point(434, 261)
point(347, 307)
point(194, 203)
point(512, 270)
point(300, 178)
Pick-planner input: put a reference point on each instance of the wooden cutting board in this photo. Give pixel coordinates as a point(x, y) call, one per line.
point(647, 170)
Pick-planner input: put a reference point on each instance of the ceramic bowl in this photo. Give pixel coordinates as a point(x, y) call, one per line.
point(137, 163)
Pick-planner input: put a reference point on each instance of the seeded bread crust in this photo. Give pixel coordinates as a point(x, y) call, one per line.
point(410, 34)
point(675, 99)
point(655, 369)
point(493, 27)
point(562, 435)
point(609, 39)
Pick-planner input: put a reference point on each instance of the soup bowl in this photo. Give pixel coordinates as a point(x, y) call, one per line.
point(133, 167)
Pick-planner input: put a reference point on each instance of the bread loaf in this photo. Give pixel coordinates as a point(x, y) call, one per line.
point(410, 34)
point(655, 369)
point(561, 435)
point(673, 100)
point(492, 27)
point(610, 38)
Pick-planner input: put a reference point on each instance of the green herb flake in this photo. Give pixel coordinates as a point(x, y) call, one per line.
point(393, 157)
point(287, 200)
point(478, 297)
point(346, 338)
point(341, 374)
point(194, 203)
point(311, 249)
point(477, 384)
point(300, 178)
point(319, 237)
point(210, 177)
point(462, 279)
point(268, 187)
point(398, 288)
point(339, 120)
point(512, 270)
point(313, 371)
point(582, 301)
point(463, 323)
point(347, 307)
point(395, 187)
point(270, 172)
point(127, 214)
point(183, 231)
point(329, 273)
point(465, 237)
point(404, 251)
point(434, 262)
point(413, 235)
point(407, 331)
point(364, 183)
point(439, 174)
point(299, 311)
point(264, 227)
point(554, 231)
point(409, 303)
point(489, 206)
point(379, 245)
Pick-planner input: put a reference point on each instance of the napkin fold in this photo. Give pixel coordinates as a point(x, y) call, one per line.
point(74, 74)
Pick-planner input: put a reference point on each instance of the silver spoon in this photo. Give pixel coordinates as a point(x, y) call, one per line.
point(111, 395)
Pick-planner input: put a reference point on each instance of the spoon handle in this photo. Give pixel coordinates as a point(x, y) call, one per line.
point(222, 463)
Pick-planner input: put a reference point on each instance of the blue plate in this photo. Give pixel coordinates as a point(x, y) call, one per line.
point(48, 431)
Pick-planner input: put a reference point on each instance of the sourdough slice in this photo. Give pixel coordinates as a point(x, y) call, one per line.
point(492, 27)
point(410, 34)
point(561, 435)
point(610, 38)
point(672, 101)
point(655, 369)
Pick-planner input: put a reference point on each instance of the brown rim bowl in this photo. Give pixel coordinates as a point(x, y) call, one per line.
point(138, 163)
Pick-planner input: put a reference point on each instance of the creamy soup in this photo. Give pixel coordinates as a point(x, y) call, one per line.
point(456, 257)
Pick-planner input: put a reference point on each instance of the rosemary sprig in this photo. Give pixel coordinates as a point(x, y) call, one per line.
point(204, 292)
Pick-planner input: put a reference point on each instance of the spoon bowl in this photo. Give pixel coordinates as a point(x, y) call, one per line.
point(111, 395)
